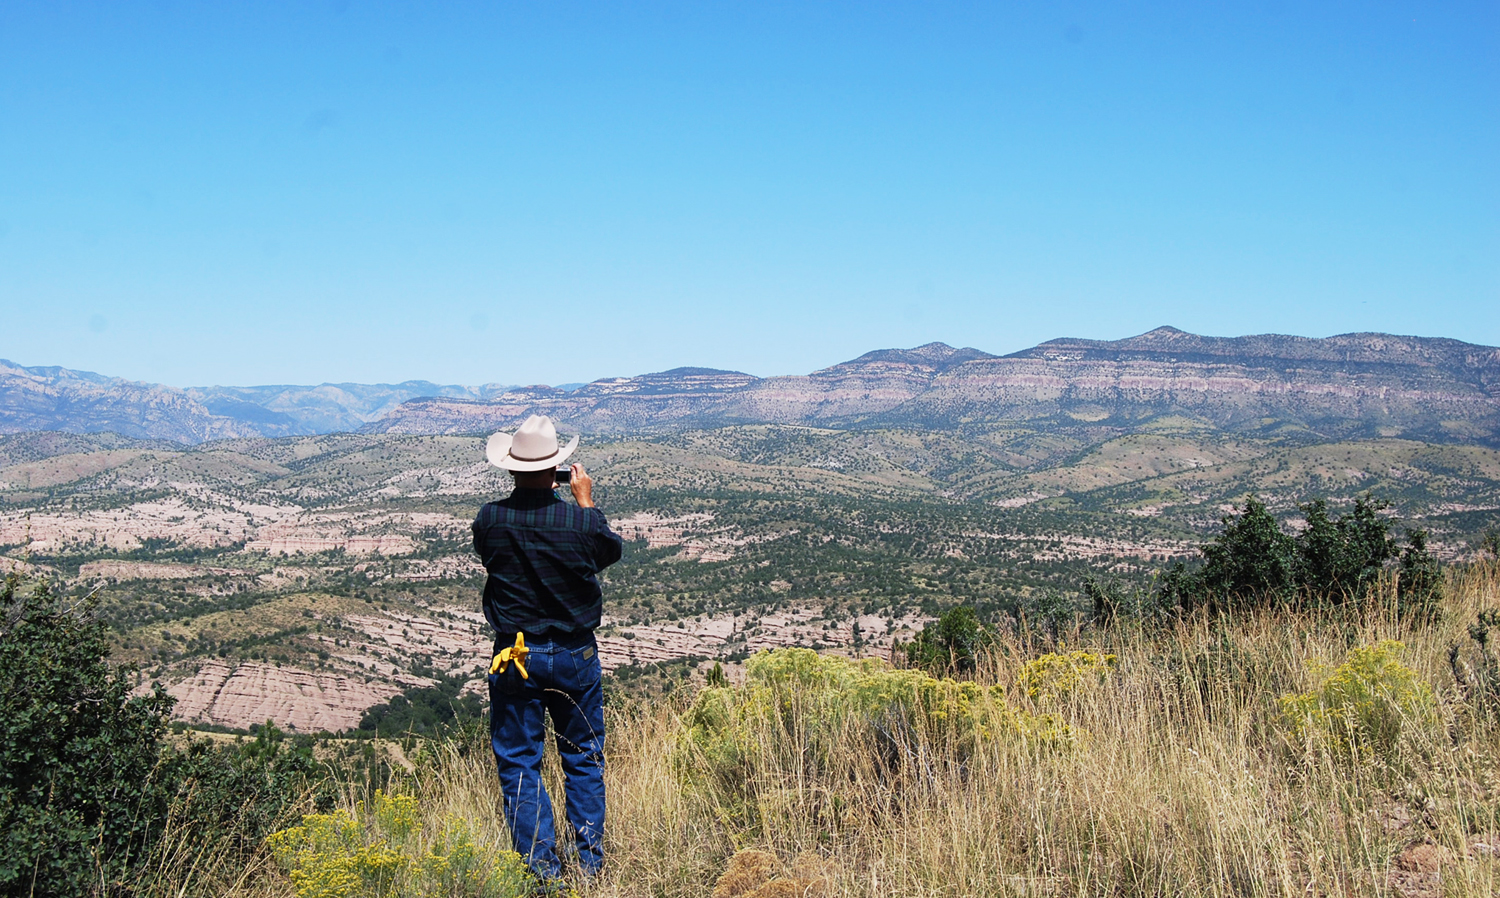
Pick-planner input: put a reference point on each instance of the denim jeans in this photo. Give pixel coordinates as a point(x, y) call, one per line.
point(565, 682)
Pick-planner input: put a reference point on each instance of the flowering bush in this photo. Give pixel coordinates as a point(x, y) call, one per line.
point(834, 721)
point(1056, 675)
point(1361, 707)
point(458, 866)
point(818, 701)
point(376, 853)
point(329, 857)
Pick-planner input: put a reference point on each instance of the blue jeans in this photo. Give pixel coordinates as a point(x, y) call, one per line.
point(565, 682)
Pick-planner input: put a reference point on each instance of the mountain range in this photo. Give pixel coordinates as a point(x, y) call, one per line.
point(53, 398)
point(1348, 386)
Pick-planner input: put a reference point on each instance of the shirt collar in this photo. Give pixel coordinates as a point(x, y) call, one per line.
point(533, 496)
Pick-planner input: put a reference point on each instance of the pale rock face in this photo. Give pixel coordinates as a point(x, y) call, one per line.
point(23, 567)
point(150, 570)
point(719, 635)
point(238, 696)
point(125, 529)
point(352, 532)
point(701, 539)
point(218, 521)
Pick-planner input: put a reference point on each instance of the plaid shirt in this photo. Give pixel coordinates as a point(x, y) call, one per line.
point(542, 555)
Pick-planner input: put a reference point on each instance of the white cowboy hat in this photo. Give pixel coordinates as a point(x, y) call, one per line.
point(533, 448)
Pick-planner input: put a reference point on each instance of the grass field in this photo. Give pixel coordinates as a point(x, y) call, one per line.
point(1178, 767)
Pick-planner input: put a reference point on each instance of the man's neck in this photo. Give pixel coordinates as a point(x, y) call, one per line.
point(535, 480)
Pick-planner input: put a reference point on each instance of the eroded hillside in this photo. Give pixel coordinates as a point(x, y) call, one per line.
point(307, 579)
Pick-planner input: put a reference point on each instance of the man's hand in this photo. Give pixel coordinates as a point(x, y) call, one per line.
point(583, 487)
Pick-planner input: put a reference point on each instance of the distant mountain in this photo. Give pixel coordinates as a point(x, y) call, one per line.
point(326, 408)
point(1348, 386)
point(1351, 385)
point(1352, 352)
point(84, 402)
point(934, 356)
point(54, 398)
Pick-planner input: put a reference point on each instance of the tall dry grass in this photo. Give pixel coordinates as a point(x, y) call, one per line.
point(1183, 781)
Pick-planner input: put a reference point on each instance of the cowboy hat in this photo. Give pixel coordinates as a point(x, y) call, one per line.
point(532, 448)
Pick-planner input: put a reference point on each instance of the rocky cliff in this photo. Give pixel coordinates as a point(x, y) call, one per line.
point(1352, 385)
point(1345, 386)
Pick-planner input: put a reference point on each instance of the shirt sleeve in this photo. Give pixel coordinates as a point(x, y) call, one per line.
point(607, 544)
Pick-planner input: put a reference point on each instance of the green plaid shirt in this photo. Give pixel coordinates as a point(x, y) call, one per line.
point(543, 555)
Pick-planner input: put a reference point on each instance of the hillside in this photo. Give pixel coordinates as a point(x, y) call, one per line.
point(308, 579)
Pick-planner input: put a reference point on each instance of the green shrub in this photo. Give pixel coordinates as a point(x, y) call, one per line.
point(241, 793)
point(1478, 675)
point(1340, 560)
point(1251, 562)
point(380, 851)
point(1110, 601)
point(1361, 708)
point(1045, 615)
point(88, 787)
point(81, 796)
point(424, 710)
point(1419, 590)
point(1332, 562)
point(950, 644)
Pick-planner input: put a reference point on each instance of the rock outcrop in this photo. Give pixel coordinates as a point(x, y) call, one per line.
point(226, 694)
point(1354, 385)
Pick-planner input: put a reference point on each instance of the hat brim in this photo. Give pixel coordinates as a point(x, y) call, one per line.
point(497, 450)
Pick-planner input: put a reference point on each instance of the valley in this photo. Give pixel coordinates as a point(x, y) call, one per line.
point(302, 553)
point(306, 580)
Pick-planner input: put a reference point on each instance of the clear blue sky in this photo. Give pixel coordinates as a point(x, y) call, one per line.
point(236, 193)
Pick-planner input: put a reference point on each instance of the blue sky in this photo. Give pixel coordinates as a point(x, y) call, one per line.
point(196, 193)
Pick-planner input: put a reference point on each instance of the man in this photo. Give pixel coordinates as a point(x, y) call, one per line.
point(543, 600)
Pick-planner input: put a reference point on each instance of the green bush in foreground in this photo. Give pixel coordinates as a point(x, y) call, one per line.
point(829, 715)
point(1361, 708)
point(81, 801)
point(92, 799)
point(950, 644)
point(241, 793)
